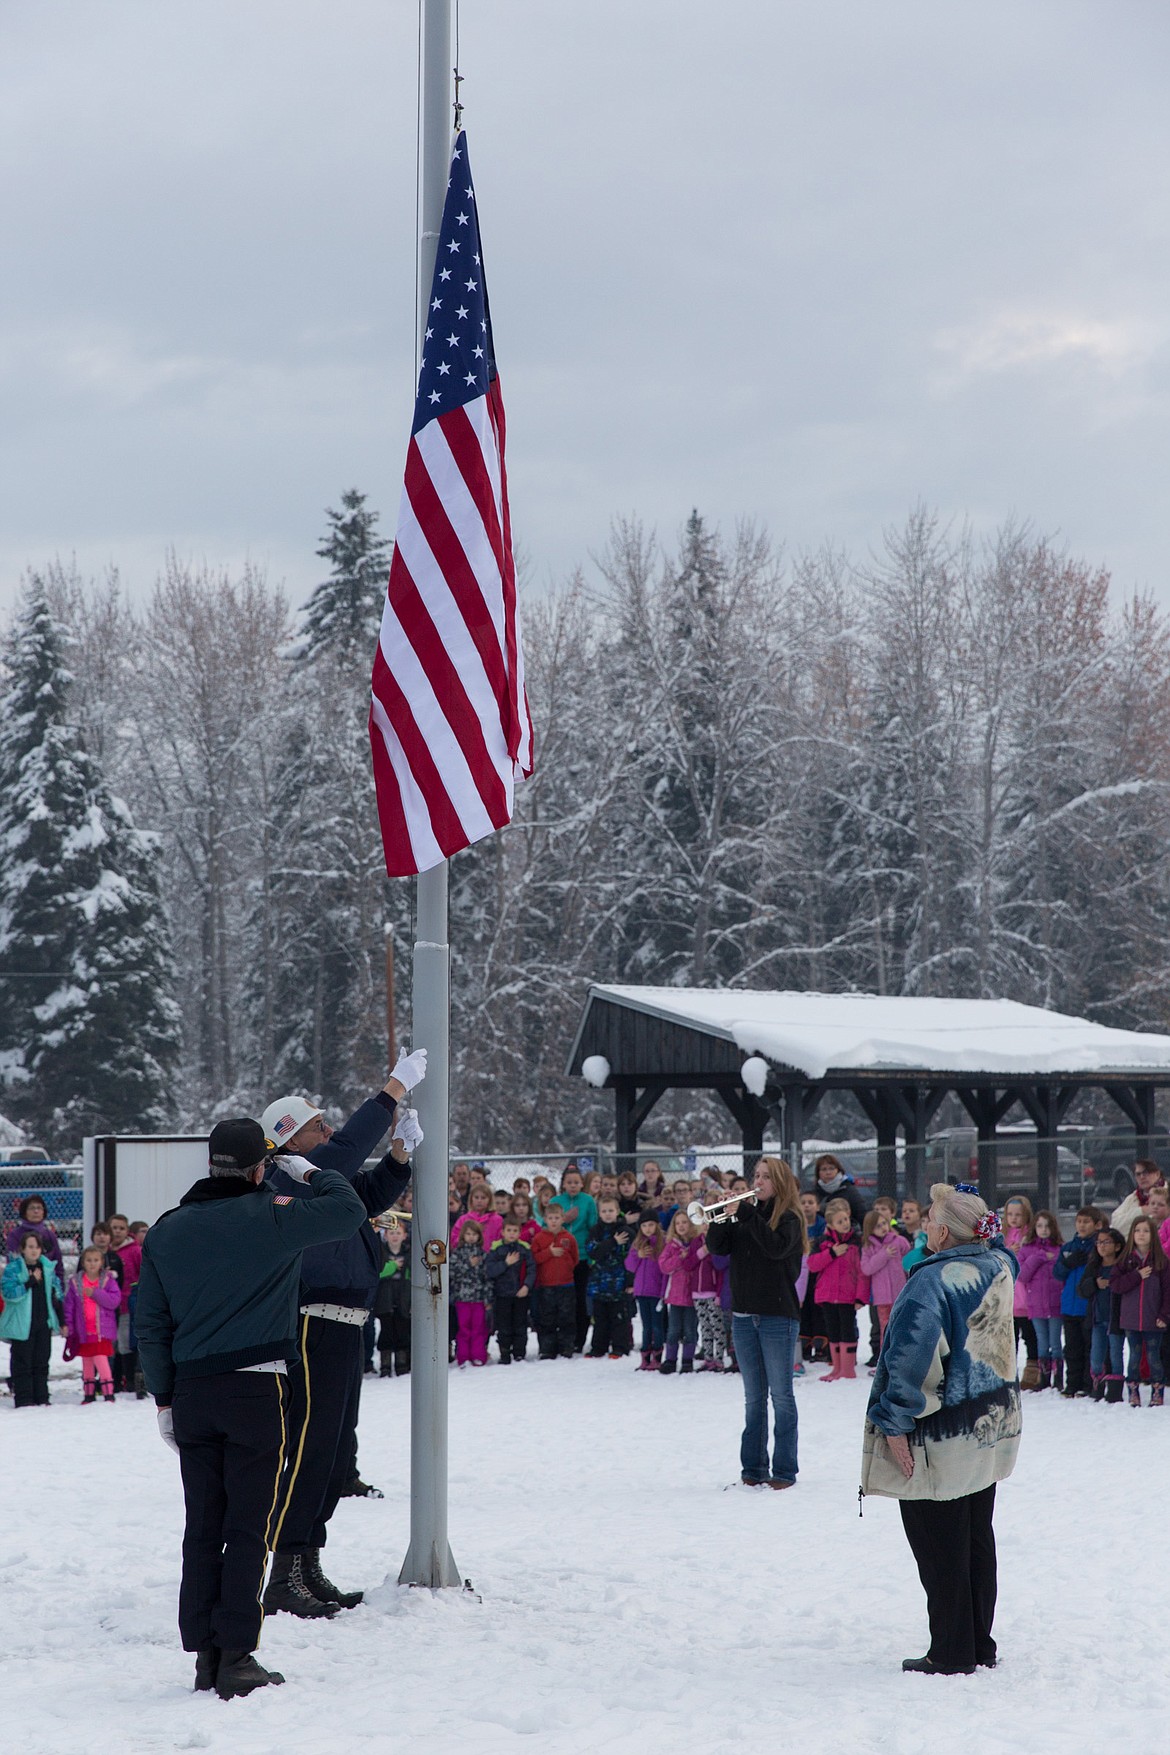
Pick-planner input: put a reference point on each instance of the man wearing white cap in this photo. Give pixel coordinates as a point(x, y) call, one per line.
point(338, 1284)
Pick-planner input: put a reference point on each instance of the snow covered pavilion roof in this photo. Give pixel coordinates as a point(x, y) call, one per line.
point(821, 1034)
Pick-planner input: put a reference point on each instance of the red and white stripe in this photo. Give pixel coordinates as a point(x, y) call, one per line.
point(450, 728)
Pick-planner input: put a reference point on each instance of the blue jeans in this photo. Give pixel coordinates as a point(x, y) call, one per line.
point(653, 1325)
point(1135, 1337)
point(1105, 1354)
point(681, 1325)
point(1048, 1337)
point(764, 1348)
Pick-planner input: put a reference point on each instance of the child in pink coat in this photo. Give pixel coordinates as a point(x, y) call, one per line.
point(881, 1262)
point(840, 1288)
point(92, 1298)
point(1037, 1257)
point(679, 1264)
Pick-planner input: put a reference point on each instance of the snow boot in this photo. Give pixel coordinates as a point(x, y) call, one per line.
point(1030, 1378)
point(1157, 1391)
point(668, 1367)
point(1098, 1389)
point(1058, 1376)
point(107, 1392)
point(289, 1591)
point(323, 1588)
point(88, 1392)
point(139, 1386)
point(687, 1365)
point(1135, 1395)
point(1045, 1375)
point(647, 1363)
point(206, 1668)
point(402, 1362)
point(849, 1360)
point(385, 1370)
point(239, 1673)
point(835, 1355)
point(1113, 1387)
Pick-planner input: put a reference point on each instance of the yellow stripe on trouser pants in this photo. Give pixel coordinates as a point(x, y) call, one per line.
point(274, 1544)
point(275, 1492)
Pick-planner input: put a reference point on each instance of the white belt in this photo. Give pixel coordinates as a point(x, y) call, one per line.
point(336, 1313)
point(277, 1365)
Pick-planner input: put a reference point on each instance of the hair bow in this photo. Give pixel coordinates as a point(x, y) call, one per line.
point(988, 1228)
point(966, 1188)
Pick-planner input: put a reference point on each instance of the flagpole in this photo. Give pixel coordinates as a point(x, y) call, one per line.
point(429, 1560)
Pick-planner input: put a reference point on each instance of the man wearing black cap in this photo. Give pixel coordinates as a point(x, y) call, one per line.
point(217, 1326)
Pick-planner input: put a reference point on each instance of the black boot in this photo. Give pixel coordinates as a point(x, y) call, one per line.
point(402, 1363)
point(322, 1588)
point(1113, 1388)
point(687, 1365)
point(385, 1371)
point(239, 1673)
point(206, 1668)
point(288, 1590)
point(140, 1386)
point(667, 1367)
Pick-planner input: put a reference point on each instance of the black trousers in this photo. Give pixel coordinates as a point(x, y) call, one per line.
point(1027, 1333)
point(840, 1323)
point(580, 1305)
point(30, 1367)
point(954, 1545)
point(394, 1335)
point(231, 1436)
point(1076, 1356)
point(512, 1326)
point(557, 1321)
point(324, 1398)
point(611, 1327)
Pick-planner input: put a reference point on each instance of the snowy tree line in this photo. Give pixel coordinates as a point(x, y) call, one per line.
point(942, 770)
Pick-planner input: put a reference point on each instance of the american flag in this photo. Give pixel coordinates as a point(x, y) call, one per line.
point(449, 723)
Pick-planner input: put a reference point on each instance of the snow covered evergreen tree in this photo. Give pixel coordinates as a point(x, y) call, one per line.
point(343, 615)
point(85, 965)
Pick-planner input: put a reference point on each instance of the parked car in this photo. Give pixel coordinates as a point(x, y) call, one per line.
point(1112, 1151)
point(953, 1155)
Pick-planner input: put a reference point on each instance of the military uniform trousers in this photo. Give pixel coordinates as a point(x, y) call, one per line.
point(231, 1432)
point(324, 1398)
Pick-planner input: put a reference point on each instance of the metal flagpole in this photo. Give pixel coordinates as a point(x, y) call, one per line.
point(429, 1560)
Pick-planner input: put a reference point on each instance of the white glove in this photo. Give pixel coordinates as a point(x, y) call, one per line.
point(166, 1428)
point(298, 1168)
point(409, 1129)
point(411, 1069)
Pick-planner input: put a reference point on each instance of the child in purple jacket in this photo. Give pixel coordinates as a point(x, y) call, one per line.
point(882, 1253)
point(92, 1298)
point(1141, 1286)
point(1037, 1258)
point(642, 1262)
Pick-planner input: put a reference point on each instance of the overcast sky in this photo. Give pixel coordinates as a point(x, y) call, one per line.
point(808, 263)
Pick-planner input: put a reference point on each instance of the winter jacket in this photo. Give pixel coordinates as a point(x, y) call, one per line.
point(946, 1379)
point(468, 1279)
point(392, 1297)
point(130, 1256)
point(221, 1273)
point(555, 1269)
point(709, 1279)
point(846, 1189)
point(917, 1252)
point(529, 1229)
point(1013, 1238)
point(1132, 1207)
point(1142, 1302)
point(839, 1277)
point(18, 1292)
point(1100, 1302)
point(346, 1270)
point(583, 1224)
point(1068, 1268)
point(491, 1224)
point(722, 1266)
point(607, 1259)
point(1036, 1264)
point(648, 1280)
point(881, 1262)
point(506, 1280)
point(105, 1297)
point(43, 1232)
point(763, 1264)
point(679, 1263)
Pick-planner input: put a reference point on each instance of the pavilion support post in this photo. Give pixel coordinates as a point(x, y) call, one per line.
point(1047, 1106)
point(631, 1109)
point(793, 1134)
point(887, 1152)
point(1144, 1102)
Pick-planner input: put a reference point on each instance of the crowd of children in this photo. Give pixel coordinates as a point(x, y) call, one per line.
point(576, 1265)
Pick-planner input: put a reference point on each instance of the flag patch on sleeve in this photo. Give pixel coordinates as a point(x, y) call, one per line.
point(282, 1200)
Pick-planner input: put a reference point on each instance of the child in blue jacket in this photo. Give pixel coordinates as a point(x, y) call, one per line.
point(1068, 1267)
point(1106, 1356)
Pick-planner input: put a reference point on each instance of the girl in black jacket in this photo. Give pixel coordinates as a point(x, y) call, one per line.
point(767, 1243)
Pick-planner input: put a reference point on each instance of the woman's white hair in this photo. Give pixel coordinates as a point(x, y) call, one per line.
point(960, 1213)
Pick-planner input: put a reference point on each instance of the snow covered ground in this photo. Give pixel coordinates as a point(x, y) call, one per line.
point(629, 1606)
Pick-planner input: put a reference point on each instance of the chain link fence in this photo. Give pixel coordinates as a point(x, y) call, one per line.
point(23, 1172)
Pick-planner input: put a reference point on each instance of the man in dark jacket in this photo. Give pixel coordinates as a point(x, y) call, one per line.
point(511, 1272)
point(216, 1322)
point(339, 1282)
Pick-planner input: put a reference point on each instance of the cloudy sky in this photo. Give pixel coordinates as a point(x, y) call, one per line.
point(808, 263)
